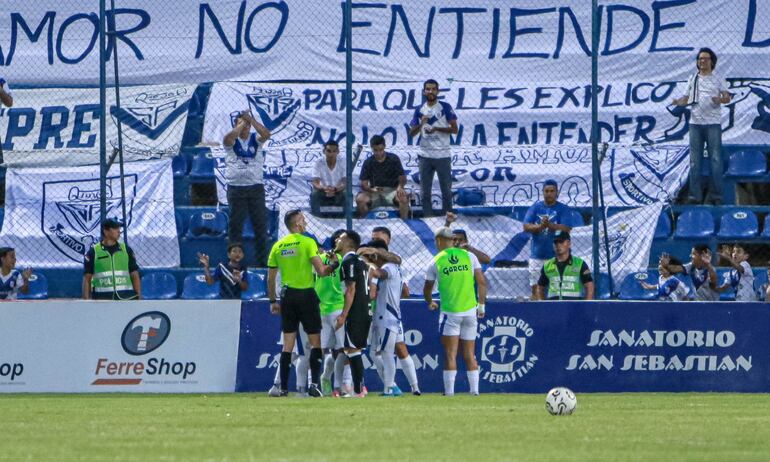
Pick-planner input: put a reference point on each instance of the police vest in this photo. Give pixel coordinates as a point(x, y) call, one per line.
point(454, 273)
point(111, 273)
point(568, 285)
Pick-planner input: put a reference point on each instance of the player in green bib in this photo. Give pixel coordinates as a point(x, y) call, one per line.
point(332, 301)
point(295, 256)
point(459, 277)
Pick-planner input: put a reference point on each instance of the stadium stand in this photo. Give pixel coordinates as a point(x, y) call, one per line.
point(159, 286)
point(747, 164)
point(195, 288)
point(630, 289)
point(695, 223)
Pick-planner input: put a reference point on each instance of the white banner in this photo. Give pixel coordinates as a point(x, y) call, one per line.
point(486, 40)
point(141, 346)
point(52, 215)
point(55, 127)
point(629, 240)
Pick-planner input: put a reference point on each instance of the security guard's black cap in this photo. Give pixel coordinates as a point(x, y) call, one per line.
point(561, 236)
point(111, 223)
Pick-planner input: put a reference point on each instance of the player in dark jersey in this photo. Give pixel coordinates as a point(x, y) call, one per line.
point(356, 315)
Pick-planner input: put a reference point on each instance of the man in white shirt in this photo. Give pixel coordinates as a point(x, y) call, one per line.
point(244, 161)
point(435, 121)
point(706, 92)
point(328, 179)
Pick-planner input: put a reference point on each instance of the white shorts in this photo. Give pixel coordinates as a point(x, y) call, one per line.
point(452, 325)
point(331, 338)
point(379, 336)
point(534, 266)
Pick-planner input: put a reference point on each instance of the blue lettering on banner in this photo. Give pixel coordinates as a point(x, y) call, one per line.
point(646, 347)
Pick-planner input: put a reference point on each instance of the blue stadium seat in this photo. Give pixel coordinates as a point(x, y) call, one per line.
point(721, 275)
point(38, 288)
point(209, 224)
point(694, 223)
point(766, 229)
point(179, 166)
point(382, 213)
point(663, 229)
point(630, 289)
point(257, 285)
point(159, 286)
point(602, 289)
point(738, 224)
point(747, 164)
point(202, 168)
point(181, 224)
point(195, 288)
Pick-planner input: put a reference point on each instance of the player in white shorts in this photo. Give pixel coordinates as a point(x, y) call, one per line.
point(387, 287)
point(459, 276)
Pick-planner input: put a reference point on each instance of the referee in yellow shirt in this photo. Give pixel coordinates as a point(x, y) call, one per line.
point(296, 256)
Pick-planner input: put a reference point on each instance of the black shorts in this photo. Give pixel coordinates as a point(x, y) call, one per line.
point(300, 306)
point(357, 333)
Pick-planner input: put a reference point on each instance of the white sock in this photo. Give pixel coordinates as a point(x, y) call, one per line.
point(388, 362)
point(407, 364)
point(473, 380)
point(328, 367)
point(303, 364)
point(339, 369)
point(347, 376)
point(277, 379)
point(377, 359)
point(449, 382)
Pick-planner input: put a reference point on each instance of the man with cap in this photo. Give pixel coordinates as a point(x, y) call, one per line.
point(457, 271)
point(565, 277)
point(544, 218)
point(110, 271)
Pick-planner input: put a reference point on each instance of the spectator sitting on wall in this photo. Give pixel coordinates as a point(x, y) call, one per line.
point(382, 181)
point(233, 278)
point(669, 287)
point(328, 179)
point(542, 220)
point(12, 281)
point(110, 271)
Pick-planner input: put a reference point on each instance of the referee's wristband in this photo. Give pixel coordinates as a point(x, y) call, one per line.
point(480, 308)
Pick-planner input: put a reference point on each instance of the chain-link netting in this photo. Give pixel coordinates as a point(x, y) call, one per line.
point(482, 110)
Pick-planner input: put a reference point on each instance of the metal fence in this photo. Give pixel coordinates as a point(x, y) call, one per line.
point(531, 87)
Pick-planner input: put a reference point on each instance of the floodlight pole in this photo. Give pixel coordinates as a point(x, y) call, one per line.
point(596, 183)
point(103, 117)
point(348, 101)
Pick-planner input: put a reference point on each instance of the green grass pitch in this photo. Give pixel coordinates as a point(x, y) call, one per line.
point(234, 427)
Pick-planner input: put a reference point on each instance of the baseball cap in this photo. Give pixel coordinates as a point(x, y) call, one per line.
point(111, 223)
point(444, 232)
point(561, 236)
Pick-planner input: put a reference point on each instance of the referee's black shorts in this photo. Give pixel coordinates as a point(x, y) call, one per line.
point(357, 333)
point(300, 306)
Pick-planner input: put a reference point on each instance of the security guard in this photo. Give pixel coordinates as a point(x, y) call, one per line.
point(110, 271)
point(565, 276)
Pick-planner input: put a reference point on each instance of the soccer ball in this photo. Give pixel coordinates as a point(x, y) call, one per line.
point(560, 401)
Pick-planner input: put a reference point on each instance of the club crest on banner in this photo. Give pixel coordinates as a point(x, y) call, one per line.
point(150, 115)
point(71, 217)
point(504, 353)
point(276, 109)
point(644, 178)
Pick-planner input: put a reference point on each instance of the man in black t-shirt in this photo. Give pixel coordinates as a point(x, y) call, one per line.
point(382, 181)
point(356, 316)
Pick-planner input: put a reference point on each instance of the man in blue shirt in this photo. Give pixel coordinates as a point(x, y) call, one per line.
point(542, 220)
